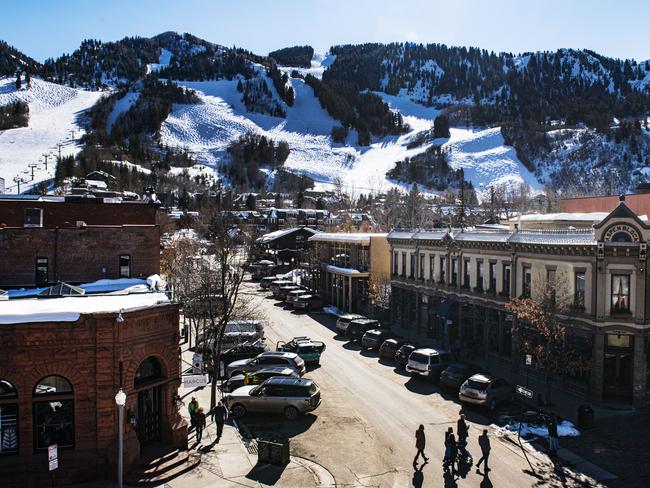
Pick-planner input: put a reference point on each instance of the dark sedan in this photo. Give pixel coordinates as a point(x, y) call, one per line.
point(456, 374)
point(403, 353)
point(374, 338)
point(389, 348)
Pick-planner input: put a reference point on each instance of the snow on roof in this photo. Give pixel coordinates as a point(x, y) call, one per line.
point(483, 236)
point(360, 238)
point(562, 216)
point(271, 236)
point(555, 237)
point(420, 234)
point(69, 309)
point(342, 271)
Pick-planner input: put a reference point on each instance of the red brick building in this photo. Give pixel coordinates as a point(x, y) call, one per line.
point(62, 361)
point(639, 203)
point(45, 240)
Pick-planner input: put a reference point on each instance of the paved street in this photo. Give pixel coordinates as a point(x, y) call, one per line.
point(363, 432)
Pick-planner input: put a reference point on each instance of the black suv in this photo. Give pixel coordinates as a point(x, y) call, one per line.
point(358, 327)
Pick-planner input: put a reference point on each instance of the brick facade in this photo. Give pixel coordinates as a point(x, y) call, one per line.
point(77, 254)
point(96, 354)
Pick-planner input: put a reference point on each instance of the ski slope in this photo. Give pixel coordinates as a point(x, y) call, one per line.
point(206, 130)
point(54, 111)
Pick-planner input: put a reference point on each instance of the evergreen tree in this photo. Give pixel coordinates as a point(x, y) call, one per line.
point(441, 127)
point(299, 201)
point(251, 202)
point(28, 79)
point(19, 82)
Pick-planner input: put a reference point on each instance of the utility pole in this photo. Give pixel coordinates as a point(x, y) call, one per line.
point(33, 167)
point(45, 156)
point(59, 144)
point(72, 133)
point(18, 180)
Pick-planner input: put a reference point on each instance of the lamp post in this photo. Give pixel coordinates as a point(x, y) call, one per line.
point(120, 401)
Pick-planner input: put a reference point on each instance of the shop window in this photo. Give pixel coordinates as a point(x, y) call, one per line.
point(8, 418)
point(620, 293)
point(550, 285)
point(526, 283)
point(479, 275)
point(125, 266)
point(493, 277)
point(454, 271)
point(580, 286)
point(506, 280)
point(403, 274)
point(442, 269)
point(466, 273)
point(395, 263)
point(53, 411)
point(432, 260)
point(421, 275)
point(412, 268)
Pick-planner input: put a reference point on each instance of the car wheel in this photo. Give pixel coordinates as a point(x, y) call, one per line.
point(493, 405)
point(291, 413)
point(238, 411)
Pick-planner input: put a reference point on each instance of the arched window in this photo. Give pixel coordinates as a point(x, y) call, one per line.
point(8, 418)
point(149, 371)
point(53, 413)
point(621, 237)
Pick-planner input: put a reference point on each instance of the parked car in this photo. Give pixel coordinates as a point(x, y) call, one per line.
point(284, 291)
point(390, 346)
point(310, 351)
point(265, 360)
point(344, 320)
point(358, 327)
point(257, 377)
point(276, 284)
point(293, 294)
point(403, 353)
point(241, 351)
point(485, 390)
point(265, 282)
point(374, 338)
point(289, 396)
point(456, 374)
point(309, 301)
point(428, 362)
point(261, 269)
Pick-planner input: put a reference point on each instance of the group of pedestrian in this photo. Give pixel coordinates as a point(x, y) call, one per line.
point(455, 448)
point(198, 418)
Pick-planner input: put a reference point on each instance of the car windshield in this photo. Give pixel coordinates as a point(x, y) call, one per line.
point(419, 357)
point(257, 390)
point(477, 385)
point(456, 369)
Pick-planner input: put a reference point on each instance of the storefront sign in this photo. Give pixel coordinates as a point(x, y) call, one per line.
point(53, 457)
point(195, 381)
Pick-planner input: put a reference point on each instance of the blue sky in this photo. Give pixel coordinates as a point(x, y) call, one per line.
point(43, 28)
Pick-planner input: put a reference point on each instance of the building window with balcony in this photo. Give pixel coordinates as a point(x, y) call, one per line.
point(479, 275)
point(412, 268)
point(395, 263)
point(620, 293)
point(454, 271)
point(493, 277)
point(421, 275)
point(526, 283)
point(403, 274)
point(506, 280)
point(466, 273)
point(442, 269)
point(580, 286)
point(432, 260)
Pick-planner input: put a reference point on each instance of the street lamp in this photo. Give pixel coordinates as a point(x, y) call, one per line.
point(120, 401)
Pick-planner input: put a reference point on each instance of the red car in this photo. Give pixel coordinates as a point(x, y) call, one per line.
point(389, 347)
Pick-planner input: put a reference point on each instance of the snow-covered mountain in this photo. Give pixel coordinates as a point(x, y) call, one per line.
point(54, 121)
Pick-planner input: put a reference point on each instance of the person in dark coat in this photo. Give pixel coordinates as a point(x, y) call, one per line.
point(451, 452)
point(553, 442)
point(484, 444)
point(420, 443)
point(199, 423)
point(220, 415)
point(463, 432)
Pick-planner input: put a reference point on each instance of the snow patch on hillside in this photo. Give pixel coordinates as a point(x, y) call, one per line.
point(122, 105)
point(163, 61)
point(319, 63)
point(53, 113)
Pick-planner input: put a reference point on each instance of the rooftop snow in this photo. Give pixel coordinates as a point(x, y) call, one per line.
point(271, 236)
point(360, 238)
point(563, 216)
point(69, 309)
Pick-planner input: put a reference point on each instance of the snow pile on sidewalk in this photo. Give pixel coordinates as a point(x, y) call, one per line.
point(564, 429)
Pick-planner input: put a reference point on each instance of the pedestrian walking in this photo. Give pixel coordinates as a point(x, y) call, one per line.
point(463, 432)
point(484, 444)
point(220, 415)
point(451, 452)
point(445, 459)
point(420, 443)
point(553, 441)
point(200, 424)
point(193, 407)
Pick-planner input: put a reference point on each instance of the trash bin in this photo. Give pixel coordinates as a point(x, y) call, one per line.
point(263, 451)
point(279, 452)
point(585, 417)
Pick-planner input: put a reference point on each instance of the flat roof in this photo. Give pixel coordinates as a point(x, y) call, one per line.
point(70, 309)
point(351, 238)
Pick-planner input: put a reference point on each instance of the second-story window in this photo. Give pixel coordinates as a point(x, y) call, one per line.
point(506, 280)
point(421, 275)
point(493, 277)
point(479, 275)
point(454, 271)
point(412, 268)
point(432, 260)
point(125, 266)
point(395, 262)
point(33, 217)
point(403, 274)
point(526, 283)
point(580, 286)
point(442, 269)
point(620, 293)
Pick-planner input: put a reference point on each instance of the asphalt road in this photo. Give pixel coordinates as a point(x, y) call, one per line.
point(364, 430)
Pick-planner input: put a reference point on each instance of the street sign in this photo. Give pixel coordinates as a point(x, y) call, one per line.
point(525, 392)
point(53, 457)
point(194, 381)
point(529, 359)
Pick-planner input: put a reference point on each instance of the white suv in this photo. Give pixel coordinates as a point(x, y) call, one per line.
point(429, 363)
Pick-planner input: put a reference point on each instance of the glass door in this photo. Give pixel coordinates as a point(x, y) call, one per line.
point(149, 416)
